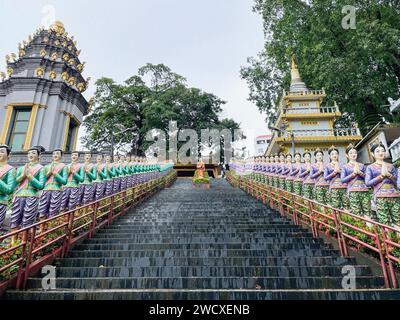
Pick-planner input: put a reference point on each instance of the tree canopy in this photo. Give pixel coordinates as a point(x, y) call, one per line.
point(359, 68)
point(146, 101)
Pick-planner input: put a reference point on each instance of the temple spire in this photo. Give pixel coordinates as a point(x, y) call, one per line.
point(296, 84)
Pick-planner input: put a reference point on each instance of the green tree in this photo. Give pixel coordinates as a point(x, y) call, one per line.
point(359, 68)
point(147, 101)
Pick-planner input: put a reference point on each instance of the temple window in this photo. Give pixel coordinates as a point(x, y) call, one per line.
point(19, 128)
point(72, 130)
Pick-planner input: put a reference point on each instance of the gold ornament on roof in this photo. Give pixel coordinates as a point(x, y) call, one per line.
point(81, 87)
point(21, 53)
point(43, 53)
point(71, 62)
point(46, 39)
point(2, 75)
point(39, 71)
point(10, 71)
point(58, 27)
point(14, 56)
point(66, 56)
point(64, 44)
point(54, 56)
point(293, 63)
point(52, 75)
point(57, 43)
point(7, 58)
point(70, 48)
point(19, 45)
point(79, 67)
point(24, 43)
point(78, 52)
point(72, 81)
point(64, 76)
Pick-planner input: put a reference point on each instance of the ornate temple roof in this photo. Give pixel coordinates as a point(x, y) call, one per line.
point(49, 58)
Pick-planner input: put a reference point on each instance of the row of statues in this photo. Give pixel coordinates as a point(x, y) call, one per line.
point(37, 191)
point(352, 186)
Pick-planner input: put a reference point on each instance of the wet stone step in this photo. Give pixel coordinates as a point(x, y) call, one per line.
point(209, 283)
point(202, 246)
point(201, 294)
point(195, 230)
point(167, 253)
point(207, 261)
point(183, 234)
point(206, 271)
point(210, 240)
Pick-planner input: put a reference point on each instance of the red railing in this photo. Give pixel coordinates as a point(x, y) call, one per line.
point(24, 252)
point(360, 233)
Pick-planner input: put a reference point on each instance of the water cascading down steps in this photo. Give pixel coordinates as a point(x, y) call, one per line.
point(219, 243)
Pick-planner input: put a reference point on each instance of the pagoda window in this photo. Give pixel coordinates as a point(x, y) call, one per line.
point(18, 128)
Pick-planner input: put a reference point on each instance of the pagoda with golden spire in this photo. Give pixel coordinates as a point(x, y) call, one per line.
point(41, 92)
point(304, 123)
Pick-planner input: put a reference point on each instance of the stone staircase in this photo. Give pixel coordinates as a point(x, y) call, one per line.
point(220, 243)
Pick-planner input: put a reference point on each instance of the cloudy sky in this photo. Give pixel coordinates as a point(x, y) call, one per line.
point(204, 40)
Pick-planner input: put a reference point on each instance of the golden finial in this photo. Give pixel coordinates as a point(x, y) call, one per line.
point(58, 27)
point(43, 53)
point(21, 53)
point(54, 56)
point(39, 71)
point(7, 58)
point(2, 75)
point(64, 76)
point(81, 87)
point(293, 63)
point(52, 75)
point(79, 67)
point(46, 39)
point(72, 81)
point(71, 62)
point(14, 56)
point(66, 56)
point(10, 71)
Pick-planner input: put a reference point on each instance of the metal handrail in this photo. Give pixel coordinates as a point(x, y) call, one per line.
point(24, 250)
point(376, 237)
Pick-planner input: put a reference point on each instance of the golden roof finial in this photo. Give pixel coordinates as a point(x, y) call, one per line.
point(58, 27)
point(293, 63)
